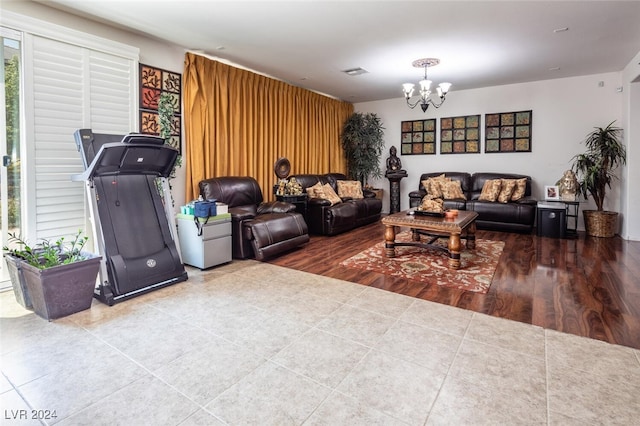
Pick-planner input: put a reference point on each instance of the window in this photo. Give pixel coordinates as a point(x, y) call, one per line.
point(71, 81)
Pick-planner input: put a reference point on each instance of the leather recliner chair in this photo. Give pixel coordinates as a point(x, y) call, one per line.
point(259, 229)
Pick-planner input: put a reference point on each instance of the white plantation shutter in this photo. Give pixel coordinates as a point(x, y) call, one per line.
point(73, 87)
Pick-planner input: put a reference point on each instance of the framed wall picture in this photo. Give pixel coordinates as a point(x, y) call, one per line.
point(418, 137)
point(153, 82)
point(460, 135)
point(551, 192)
point(508, 132)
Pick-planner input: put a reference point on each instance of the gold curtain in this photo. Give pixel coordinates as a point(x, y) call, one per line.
point(238, 123)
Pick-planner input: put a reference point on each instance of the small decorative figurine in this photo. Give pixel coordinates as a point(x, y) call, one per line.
point(394, 165)
point(568, 186)
point(293, 187)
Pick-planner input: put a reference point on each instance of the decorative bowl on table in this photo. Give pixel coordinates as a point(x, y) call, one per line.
point(451, 214)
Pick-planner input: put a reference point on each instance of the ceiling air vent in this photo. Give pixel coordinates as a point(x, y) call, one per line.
point(355, 71)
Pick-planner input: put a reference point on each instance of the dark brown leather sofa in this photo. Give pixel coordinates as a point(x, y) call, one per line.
point(258, 229)
point(513, 216)
point(325, 219)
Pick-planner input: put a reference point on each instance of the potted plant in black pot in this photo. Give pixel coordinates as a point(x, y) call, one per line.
point(362, 139)
point(595, 171)
point(56, 279)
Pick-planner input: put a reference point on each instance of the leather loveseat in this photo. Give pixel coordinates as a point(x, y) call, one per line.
point(326, 219)
point(512, 216)
point(258, 229)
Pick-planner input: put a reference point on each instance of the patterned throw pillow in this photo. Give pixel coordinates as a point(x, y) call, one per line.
point(452, 190)
point(433, 185)
point(521, 186)
point(491, 190)
point(311, 191)
point(350, 188)
point(506, 191)
point(329, 194)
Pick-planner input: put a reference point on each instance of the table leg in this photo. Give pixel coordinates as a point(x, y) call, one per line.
point(389, 240)
point(471, 236)
point(415, 235)
point(454, 251)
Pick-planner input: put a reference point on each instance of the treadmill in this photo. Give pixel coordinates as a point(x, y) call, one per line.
point(134, 228)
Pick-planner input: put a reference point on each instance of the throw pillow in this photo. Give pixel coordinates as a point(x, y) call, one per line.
point(452, 190)
point(432, 185)
point(311, 191)
point(350, 188)
point(330, 194)
point(506, 191)
point(491, 190)
point(521, 186)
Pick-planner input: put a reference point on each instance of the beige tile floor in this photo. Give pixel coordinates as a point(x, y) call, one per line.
point(253, 343)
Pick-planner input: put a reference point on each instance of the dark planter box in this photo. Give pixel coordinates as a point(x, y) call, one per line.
point(14, 266)
point(62, 290)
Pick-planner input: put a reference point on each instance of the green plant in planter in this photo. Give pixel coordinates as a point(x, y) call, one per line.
point(362, 139)
point(595, 171)
point(47, 254)
point(54, 278)
point(605, 152)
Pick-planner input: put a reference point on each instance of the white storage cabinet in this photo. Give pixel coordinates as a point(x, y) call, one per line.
point(211, 248)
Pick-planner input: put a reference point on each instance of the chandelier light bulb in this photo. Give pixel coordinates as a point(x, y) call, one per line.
point(407, 88)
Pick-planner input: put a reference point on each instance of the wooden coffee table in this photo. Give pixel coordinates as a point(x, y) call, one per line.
point(462, 226)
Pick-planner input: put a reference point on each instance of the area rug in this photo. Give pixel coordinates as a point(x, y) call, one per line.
point(477, 266)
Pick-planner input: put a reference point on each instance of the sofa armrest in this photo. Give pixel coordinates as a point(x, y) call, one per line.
point(242, 213)
point(417, 194)
point(527, 200)
point(276, 207)
point(319, 202)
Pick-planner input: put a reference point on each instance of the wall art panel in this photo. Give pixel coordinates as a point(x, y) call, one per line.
point(153, 82)
point(460, 135)
point(508, 132)
point(418, 137)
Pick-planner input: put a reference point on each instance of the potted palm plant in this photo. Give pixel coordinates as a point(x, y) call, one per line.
point(362, 139)
point(55, 279)
point(595, 170)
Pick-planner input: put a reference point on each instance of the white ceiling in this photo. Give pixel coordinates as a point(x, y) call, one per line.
point(308, 43)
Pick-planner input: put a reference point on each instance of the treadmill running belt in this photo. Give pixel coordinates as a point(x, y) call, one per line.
point(135, 243)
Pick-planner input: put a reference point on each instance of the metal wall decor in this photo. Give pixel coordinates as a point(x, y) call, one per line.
point(418, 137)
point(508, 132)
point(460, 135)
point(153, 82)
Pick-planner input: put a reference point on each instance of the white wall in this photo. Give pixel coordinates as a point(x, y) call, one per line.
point(564, 111)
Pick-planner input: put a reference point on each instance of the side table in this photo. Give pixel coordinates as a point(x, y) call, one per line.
point(564, 222)
point(300, 201)
point(211, 248)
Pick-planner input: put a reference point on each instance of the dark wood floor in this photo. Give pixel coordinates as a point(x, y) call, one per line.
point(586, 286)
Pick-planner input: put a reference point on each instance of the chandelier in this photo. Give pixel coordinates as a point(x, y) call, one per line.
point(425, 87)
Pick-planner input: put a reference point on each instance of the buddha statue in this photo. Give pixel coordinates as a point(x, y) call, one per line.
point(394, 165)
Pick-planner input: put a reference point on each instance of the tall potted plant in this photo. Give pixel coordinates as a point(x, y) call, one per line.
point(57, 279)
point(362, 139)
point(595, 170)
